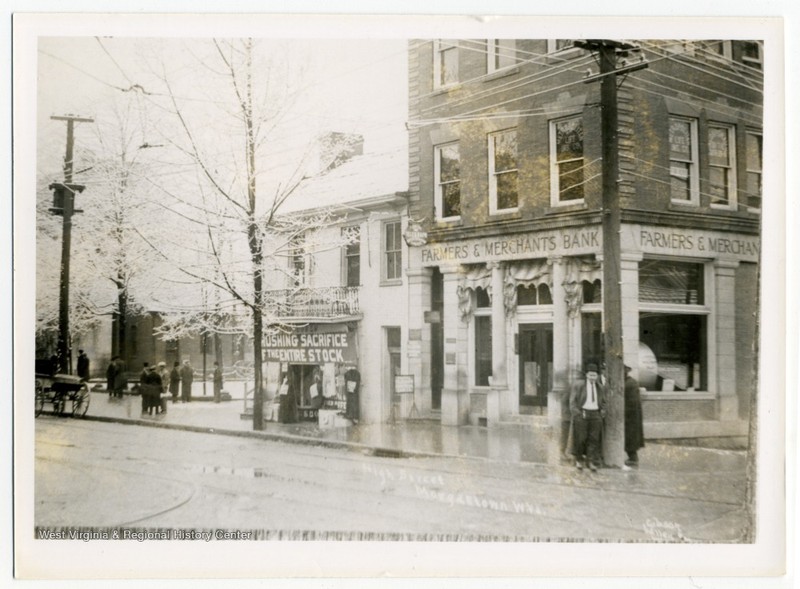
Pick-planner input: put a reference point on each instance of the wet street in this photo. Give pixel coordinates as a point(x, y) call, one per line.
point(93, 474)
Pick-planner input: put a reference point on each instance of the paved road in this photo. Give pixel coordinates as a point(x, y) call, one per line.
point(115, 475)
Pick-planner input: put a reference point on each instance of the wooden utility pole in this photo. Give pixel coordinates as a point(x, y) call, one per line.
point(607, 52)
point(64, 205)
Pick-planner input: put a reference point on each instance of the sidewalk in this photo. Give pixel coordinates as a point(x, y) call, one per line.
point(516, 443)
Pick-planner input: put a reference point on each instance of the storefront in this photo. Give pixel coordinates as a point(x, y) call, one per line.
point(689, 302)
point(308, 369)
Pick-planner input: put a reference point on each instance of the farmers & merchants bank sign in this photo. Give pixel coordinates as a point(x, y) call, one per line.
point(316, 346)
point(589, 240)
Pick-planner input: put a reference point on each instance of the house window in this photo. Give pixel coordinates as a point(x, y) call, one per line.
point(500, 53)
point(754, 165)
point(673, 323)
point(722, 165)
point(445, 63)
point(392, 251)
point(751, 54)
point(683, 160)
point(447, 169)
point(352, 256)
point(298, 264)
point(503, 194)
point(566, 156)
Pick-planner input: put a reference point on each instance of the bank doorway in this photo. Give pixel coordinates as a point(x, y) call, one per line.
point(535, 364)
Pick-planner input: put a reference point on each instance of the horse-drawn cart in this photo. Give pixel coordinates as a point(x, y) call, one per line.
point(57, 390)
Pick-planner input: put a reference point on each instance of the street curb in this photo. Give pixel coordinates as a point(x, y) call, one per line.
point(378, 451)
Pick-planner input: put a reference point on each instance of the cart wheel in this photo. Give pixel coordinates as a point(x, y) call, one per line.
point(80, 403)
point(59, 404)
point(40, 398)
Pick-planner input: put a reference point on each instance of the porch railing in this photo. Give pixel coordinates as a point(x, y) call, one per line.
point(328, 302)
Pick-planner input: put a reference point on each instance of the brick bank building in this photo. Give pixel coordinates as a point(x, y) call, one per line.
point(506, 264)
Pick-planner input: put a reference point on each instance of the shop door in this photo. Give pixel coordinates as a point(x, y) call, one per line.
point(535, 364)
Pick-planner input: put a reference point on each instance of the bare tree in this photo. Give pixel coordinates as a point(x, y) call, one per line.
point(237, 233)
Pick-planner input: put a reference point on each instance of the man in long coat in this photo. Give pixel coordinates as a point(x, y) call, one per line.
point(111, 376)
point(187, 376)
point(175, 381)
point(634, 428)
point(83, 365)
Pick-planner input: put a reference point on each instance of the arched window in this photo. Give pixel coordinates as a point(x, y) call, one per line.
point(592, 291)
point(545, 298)
point(482, 299)
point(533, 295)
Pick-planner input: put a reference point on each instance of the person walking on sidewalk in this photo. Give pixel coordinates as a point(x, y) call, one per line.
point(634, 428)
point(187, 375)
point(217, 383)
point(175, 381)
point(83, 366)
point(150, 385)
point(111, 375)
point(587, 402)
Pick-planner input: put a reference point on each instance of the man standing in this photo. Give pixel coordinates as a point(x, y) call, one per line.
point(83, 366)
point(175, 381)
point(111, 377)
point(187, 375)
point(634, 428)
point(217, 383)
point(587, 402)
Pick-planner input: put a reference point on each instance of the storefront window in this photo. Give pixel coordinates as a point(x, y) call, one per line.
point(663, 281)
point(678, 344)
point(672, 326)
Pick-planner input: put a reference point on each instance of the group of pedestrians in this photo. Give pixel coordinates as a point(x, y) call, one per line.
point(587, 408)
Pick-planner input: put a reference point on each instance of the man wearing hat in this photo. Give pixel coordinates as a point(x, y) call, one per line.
point(587, 403)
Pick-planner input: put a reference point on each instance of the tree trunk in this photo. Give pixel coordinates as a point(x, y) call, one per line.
point(122, 308)
point(258, 327)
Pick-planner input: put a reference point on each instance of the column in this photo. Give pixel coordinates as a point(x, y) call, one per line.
point(455, 396)
point(629, 293)
point(558, 398)
point(499, 361)
point(418, 347)
point(725, 337)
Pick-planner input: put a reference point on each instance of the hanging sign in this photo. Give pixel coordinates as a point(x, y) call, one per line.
point(316, 345)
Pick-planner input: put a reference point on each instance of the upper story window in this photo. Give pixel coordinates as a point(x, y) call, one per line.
point(447, 171)
point(670, 282)
point(445, 63)
point(752, 54)
point(392, 250)
point(554, 45)
point(352, 256)
point(719, 49)
point(500, 53)
point(503, 192)
point(566, 160)
point(754, 165)
point(684, 185)
point(298, 262)
point(722, 165)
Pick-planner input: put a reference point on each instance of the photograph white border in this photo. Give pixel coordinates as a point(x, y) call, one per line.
point(410, 559)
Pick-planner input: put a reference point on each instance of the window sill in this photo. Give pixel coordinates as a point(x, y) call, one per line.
point(729, 208)
point(393, 282)
point(439, 90)
point(448, 222)
point(678, 396)
point(681, 205)
point(560, 55)
point(509, 70)
point(505, 214)
point(567, 207)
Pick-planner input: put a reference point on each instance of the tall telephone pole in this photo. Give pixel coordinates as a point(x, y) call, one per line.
point(64, 205)
point(607, 52)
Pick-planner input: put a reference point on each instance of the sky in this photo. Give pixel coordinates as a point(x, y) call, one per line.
point(349, 85)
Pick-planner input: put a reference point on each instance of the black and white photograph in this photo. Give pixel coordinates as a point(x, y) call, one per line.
point(300, 286)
